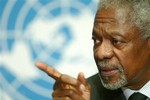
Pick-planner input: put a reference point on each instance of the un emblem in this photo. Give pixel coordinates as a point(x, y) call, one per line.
point(56, 32)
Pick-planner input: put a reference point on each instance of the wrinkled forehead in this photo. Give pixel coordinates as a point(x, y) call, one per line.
point(112, 20)
point(117, 15)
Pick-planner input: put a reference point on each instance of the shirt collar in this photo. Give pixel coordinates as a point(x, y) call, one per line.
point(144, 90)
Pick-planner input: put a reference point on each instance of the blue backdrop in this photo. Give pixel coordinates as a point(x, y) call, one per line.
point(57, 32)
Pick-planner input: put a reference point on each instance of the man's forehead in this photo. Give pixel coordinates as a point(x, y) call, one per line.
point(104, 12)
point(111, 15)
point(113, 21)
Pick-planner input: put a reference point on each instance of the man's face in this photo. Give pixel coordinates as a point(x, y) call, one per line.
point(120, 52)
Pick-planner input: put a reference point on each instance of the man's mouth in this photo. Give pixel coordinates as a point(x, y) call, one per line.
point(106, 71)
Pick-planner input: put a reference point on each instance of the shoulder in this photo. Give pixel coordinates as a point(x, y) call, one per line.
point(98, 92)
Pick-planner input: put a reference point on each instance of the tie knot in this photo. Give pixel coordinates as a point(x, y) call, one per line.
point(137, 96)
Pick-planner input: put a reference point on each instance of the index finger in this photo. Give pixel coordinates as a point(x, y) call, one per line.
point(49, 70)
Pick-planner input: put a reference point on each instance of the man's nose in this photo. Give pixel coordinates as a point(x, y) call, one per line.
point(103, 51)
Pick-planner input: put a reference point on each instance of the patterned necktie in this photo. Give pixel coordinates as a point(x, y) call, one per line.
point(137, 96)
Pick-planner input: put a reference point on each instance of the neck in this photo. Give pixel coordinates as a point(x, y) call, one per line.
point(141, 81)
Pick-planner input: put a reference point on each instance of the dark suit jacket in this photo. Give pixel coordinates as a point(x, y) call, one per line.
point(98, 92)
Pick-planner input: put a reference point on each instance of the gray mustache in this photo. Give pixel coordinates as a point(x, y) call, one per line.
point(109, 64)
point(106, 64)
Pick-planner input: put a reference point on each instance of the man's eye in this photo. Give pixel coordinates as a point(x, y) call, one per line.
point(116, 42)
point(96, 41)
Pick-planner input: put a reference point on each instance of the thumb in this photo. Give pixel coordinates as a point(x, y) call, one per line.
point(83, 81)
point(82, 78)
point(84, 86)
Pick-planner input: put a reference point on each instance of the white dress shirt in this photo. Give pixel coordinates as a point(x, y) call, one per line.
point(144, 90)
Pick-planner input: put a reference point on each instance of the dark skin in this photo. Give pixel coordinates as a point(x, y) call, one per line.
point(67, 87)
point(118, 42)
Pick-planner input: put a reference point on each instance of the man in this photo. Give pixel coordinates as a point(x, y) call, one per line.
point(121, 37)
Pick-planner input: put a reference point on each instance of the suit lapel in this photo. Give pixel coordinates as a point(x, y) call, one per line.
point(98, 92)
